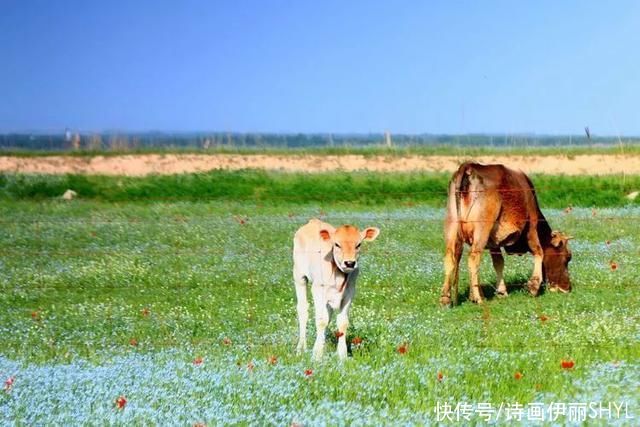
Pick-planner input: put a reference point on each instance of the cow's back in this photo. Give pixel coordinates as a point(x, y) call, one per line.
point(492, 196)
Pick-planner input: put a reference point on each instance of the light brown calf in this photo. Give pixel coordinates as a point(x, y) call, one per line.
point(327, 257)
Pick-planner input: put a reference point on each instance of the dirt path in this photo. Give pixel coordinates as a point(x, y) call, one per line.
point(139, 165)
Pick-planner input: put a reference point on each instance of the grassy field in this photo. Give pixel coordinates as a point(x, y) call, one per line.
point(275, 188)
point(185, 307)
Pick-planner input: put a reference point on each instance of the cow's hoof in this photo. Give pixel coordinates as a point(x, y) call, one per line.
point(445, 301)
point(534, 285)
point(502, 294)
point(477, 300)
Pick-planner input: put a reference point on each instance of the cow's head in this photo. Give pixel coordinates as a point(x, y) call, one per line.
point(346, 241)
point(555, 263)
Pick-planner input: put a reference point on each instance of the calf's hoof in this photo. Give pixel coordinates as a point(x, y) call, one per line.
point(342, 353)
point(318, 353)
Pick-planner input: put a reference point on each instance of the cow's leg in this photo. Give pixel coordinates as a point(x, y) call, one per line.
point(498, 265)
point(451, 268)
point(536, 249)
point(322, 319)
point(480, 238)
point(300, 283)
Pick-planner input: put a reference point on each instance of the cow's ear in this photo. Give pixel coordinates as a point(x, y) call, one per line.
point(325, 235)
point(370, 233)
point(557, 239)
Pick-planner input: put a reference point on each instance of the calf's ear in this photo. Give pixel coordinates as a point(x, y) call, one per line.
point(370, 233)
point(325, 235)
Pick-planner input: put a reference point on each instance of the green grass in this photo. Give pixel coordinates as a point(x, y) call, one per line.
point(360, 188)
point(75, 279)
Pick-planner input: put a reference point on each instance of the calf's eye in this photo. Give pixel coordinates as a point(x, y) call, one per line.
point(337, 245)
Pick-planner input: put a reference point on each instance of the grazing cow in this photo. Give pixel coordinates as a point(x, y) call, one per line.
point(328, 258)
point(491, 206)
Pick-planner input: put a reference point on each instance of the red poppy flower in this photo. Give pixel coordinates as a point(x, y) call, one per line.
point(517, 375)
point(145, 312)
point(250, 366)
point(199, 425)
point(440, 377)
point(339, 334)
point(120, 402)
point(226, 341)
point(8, 384)
point(567, 364)
point(198, 361)
point(613, 265)
point(403, 348)
point(356, 341)
point(543, 318)
point(272, 360)
point(308, 372)
point(133, 342)
point(35, 315)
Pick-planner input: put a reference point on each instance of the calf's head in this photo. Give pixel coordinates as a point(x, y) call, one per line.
point(555, 262)
point(346, 241)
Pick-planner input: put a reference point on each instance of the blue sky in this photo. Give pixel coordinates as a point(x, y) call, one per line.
point(547, 67)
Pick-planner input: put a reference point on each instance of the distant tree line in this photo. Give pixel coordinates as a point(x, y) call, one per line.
point(69, 141)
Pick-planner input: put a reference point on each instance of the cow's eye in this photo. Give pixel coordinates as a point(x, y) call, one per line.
point(358, 246)
point(337, 246)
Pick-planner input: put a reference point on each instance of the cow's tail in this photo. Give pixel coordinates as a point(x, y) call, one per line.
point(462, 183)
point(458, 189)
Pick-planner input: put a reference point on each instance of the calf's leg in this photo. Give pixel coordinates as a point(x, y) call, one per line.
point(300, 283)
point(322, 319)
point(342, 320)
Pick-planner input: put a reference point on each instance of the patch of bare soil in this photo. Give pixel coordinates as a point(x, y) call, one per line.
point(145, 164)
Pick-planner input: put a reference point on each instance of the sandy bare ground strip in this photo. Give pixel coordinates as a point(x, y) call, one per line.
point(145, 164)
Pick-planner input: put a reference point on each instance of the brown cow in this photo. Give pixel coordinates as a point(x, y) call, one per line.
point(491, 206)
